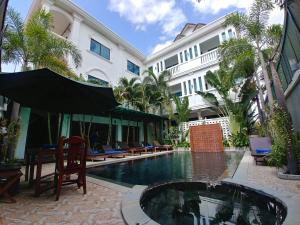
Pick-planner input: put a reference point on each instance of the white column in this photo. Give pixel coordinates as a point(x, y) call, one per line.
point(75, 32)
point(74, 36)
point(47, 4)
point(141, 132)
point(199, 115)
point(119, 132)
point(182, 89)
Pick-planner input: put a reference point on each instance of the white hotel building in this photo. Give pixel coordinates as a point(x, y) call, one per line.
point(108, 57)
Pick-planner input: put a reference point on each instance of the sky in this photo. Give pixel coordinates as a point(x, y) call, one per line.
point(150, 25)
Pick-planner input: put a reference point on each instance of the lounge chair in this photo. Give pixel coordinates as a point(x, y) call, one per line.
point(95, 155)
point(147, 149)
point(159, 147)
point(132, 150)
point(114, 153)
point(260, 148)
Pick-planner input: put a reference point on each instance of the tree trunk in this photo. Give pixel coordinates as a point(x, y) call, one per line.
point(266, 78)
point(278, 87)
point(260, 97)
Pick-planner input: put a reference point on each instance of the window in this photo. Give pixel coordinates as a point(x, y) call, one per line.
point(100, 49)
point(161, 66)
point(223, 36)
point(96, 80)
point(185, 55)
point(172, 61)
point(191, 53)
point(150, 69)
point(230, 34)
point(282, 77)
point(200, 84)
point(157, 67)
point(196, 51)
point(181, 57)
point(190, 87)
point(195, 85)
point(133, 68)
point(293, 35)
point(184, 88)
point(207, 85)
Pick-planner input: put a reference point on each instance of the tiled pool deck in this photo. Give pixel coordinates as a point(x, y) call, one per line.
point(102, 203)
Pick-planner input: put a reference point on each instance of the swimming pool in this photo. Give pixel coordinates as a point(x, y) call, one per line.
point(177, 166)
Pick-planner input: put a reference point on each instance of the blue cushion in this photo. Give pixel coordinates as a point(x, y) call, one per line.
point(263, 150)
point(49, 146)
point(108, 152)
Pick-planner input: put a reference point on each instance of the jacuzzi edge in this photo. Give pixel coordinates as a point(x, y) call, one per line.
point(133, 214)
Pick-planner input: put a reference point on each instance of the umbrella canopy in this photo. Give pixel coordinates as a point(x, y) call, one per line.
point(46, 90)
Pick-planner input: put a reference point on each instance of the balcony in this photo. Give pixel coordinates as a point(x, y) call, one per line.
point(202, 61)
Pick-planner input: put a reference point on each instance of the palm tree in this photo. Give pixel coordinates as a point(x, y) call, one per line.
point(127, 90)
point(242, 54)
point(253, 27)
point(159, 83)
point(144, 95)
point(182, 109)
point(34, 45)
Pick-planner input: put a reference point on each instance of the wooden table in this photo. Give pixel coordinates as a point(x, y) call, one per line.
point(39, 157)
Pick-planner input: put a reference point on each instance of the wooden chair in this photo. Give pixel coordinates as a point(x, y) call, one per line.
point(74, 149)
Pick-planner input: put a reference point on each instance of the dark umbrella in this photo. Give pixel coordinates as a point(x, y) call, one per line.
point(46, 90)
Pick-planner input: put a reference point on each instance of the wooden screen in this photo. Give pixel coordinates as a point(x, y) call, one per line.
point(206, 138)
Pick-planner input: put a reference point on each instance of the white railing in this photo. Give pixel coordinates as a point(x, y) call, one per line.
point(202, 60)
point(223, 121)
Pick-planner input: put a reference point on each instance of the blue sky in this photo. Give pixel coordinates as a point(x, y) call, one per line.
point(149, 25)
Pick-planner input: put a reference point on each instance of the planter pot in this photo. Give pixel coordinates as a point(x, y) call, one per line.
point(281, 173)
point(182, 149)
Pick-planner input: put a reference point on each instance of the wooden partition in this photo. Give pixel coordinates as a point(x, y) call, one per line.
point(206, 138)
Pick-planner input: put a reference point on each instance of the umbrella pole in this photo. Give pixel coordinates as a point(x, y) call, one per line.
point(61, 126)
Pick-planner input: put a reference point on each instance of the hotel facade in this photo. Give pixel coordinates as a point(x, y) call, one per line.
point(106, 57)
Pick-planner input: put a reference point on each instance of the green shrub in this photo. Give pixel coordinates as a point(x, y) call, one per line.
point(281, 134)
point(226, 142)
point(239, 139)
point(183, 144)
point(277, 157)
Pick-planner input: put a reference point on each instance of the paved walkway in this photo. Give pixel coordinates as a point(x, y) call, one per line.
point(101, 204)
point(265, 178)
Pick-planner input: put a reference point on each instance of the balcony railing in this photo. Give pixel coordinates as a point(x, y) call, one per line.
point(202, 60)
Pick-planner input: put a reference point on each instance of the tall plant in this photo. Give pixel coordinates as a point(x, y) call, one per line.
point(159, 83)
point(34, 45)
point(254, 27)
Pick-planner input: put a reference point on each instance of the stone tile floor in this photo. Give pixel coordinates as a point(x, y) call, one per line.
point(101, 205)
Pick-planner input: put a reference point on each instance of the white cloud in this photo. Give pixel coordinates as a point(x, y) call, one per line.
point(161, 46)
point(276, 16)
point(215, 6)
point(146, 12)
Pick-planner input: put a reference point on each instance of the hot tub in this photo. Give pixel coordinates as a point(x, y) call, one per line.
point(199, 203)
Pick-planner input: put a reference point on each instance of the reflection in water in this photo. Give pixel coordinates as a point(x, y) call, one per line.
point(200, 204)
point(172, 167)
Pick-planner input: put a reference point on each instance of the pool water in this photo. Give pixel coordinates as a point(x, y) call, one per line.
point(177, 166)
point(195, 203)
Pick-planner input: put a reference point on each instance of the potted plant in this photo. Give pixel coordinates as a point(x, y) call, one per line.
point(9, 134)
